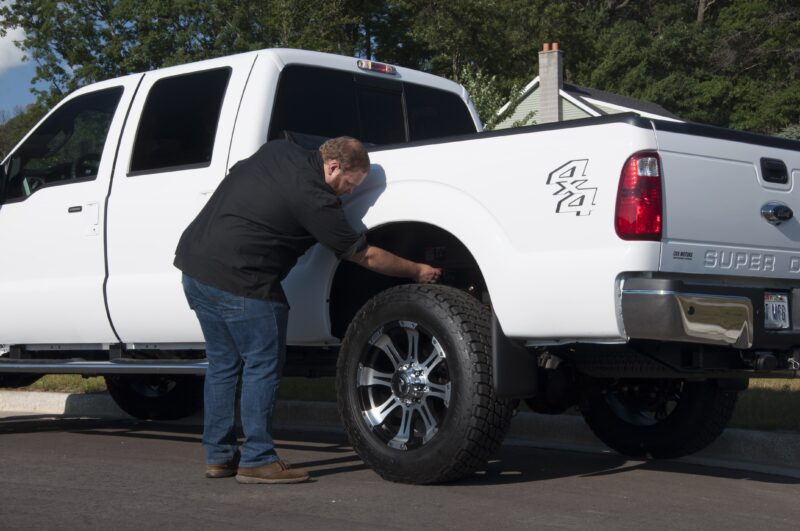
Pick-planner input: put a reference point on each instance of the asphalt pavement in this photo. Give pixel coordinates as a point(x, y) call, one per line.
point(72, 473)
point(750, 450)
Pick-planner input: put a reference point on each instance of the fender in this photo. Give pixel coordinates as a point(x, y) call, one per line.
point(376, 203)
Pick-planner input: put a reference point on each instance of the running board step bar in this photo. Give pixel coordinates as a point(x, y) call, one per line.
point(103, 367)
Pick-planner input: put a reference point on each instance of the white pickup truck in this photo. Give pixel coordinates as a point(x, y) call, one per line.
point(639, 269)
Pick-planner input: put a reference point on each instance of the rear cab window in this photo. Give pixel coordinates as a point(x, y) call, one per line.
point(314, 103)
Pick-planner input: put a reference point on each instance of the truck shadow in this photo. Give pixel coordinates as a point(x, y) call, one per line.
point(364, 197)
point(327, 453)
point(515, 464)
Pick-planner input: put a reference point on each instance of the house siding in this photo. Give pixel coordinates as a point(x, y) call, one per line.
point(530, 103)
point(569, 111)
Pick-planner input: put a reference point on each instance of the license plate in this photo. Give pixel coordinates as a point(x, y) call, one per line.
point(776, 311)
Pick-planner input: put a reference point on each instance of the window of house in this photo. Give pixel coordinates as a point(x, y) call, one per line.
point(179, 122)
point(65, 148)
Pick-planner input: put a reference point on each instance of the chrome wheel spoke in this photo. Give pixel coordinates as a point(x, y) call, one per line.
point(440, 391)
point(432, 361)
point(413, 345)
point(387, 346)
point(369, 376)
point(400, 440)
point(378, 414)
point(431, 425)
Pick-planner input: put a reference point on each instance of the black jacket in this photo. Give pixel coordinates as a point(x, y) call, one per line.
point(264, 215)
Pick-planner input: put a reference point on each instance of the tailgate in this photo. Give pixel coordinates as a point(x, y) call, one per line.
point(716, 182)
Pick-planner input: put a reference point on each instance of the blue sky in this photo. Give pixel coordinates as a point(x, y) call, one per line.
point(15, 75)
point(15, 86)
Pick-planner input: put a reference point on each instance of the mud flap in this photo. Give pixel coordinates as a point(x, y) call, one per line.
point(513, 367)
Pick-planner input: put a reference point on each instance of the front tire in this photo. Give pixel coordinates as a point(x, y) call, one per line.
point(414, 385)
point(661, 418)
point(156, 396)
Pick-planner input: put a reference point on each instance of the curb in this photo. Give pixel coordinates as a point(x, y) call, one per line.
point(756, 451)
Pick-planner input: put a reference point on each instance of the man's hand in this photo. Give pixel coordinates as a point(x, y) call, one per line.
point(427, 274)
point(384, 262)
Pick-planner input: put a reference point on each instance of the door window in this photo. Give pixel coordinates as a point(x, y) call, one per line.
point(179, 122)
point(65, 148)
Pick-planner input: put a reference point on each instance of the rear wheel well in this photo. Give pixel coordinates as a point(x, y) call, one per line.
point(353, 285)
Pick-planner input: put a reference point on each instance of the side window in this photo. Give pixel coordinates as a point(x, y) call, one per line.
point(435, 113)
point(317, 103)
point(179, 122)
point(65, 148)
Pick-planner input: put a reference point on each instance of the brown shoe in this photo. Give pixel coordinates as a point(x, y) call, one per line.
point(277, 472)
point(225, 470)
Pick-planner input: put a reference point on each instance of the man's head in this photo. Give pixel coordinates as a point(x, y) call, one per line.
point(345, 163)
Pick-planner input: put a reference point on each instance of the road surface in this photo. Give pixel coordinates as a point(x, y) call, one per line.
point(124, 474)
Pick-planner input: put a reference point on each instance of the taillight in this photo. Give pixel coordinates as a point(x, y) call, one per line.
point(638, 215)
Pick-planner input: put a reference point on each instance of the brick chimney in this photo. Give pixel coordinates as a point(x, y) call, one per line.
point(551, 80)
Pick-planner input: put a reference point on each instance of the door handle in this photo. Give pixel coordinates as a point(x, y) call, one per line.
point(776, 213)
point(74, 209)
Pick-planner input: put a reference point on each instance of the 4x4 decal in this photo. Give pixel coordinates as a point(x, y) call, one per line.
point(574, 197)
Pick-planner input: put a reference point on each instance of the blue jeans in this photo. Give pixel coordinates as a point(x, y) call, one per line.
point(241, 334)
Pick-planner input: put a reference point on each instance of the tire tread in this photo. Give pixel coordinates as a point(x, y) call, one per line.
point(488, 418)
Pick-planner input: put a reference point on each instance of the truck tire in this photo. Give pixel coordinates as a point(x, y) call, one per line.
point(156, 396)
point(16, 380)
point(660, 418)
point(414, 385)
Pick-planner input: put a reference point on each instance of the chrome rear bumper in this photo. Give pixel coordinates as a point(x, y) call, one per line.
point(714, 314)
point(691, 317)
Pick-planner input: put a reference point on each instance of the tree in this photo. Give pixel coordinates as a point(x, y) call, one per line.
point(78, 42)
point(17, 125)
point(732, 63)
point(793, 132)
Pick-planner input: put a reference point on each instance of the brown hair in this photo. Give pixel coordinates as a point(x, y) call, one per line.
point(350, 153)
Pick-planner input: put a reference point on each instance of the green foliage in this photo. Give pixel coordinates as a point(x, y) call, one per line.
point(769, 405)
point(733, 63)
point(12, 130)
point(793, 132)
point(82, 41)
point(488, 98)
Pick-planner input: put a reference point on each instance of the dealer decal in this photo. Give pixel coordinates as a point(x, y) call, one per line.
point(683, 255)
point(574, 197)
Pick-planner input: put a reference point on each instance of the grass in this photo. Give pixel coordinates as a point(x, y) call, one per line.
point(69, 383)
point(767, 405)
